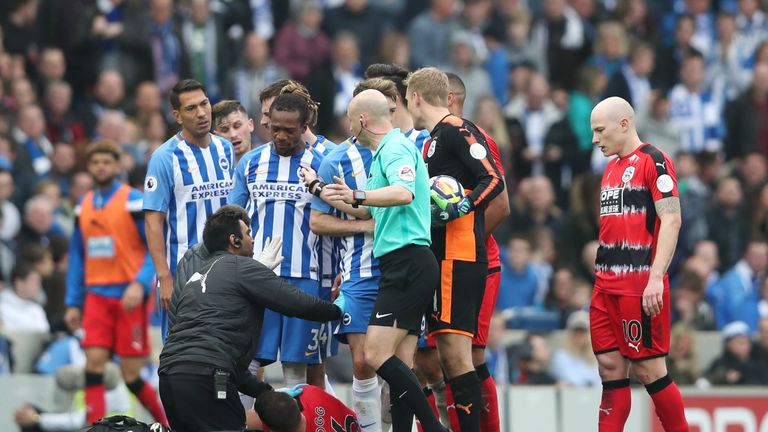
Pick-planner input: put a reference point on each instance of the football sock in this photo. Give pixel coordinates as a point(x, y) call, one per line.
point(467, 400)
point(451, 415)
point(329, 387)
point(668, 403)
point(366, 402)
point(615, 405)
point(431, 401)
point(147, 395)
point(438, 389)
point(403, 385)
point(294, 373)
point(95, 405)
point(489, 415)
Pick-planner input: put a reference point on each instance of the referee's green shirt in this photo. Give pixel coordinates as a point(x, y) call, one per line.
point(398, 162)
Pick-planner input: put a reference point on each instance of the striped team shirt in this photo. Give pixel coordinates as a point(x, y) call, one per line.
point(419, 137)
point(188, 184)
point(352, 162)
point(629, 225)
point(323, 145)
point(270, 187)
point(329, 247)
point(699, 116)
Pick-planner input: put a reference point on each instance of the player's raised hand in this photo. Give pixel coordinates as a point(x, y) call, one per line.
point(653, 298)
point(309, 175)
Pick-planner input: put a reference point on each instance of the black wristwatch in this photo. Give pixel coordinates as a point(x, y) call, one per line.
point(318, 189)
point(359, 197)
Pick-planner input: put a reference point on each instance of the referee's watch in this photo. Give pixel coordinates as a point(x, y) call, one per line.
point(358, 196)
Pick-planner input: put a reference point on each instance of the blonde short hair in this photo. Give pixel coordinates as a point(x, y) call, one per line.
point(431, 84)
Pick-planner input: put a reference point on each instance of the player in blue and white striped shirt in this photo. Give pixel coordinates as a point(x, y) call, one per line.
point(188, 179)
point(269, 185)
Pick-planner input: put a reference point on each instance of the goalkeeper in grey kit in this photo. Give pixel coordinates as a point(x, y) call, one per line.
point(217, 318)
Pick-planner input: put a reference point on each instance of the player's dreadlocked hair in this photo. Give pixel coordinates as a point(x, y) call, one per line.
point(298, 89)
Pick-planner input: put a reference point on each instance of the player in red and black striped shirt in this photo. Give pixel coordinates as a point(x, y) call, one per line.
point(629, 312)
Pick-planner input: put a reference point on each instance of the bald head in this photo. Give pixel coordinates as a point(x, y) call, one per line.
point(613, 127)
point(614, 109)
point(371, 103)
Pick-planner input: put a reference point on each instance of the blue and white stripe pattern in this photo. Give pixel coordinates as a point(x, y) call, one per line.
point(352, 162)
point(322, 144)
point(699, 116)
point(271, 188)
point(419, 137)
point(187, 183)
point(329, 247)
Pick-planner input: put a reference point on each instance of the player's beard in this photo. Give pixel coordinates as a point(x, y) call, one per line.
point(105, 183)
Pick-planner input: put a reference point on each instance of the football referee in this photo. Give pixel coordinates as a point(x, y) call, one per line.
point(397, 196)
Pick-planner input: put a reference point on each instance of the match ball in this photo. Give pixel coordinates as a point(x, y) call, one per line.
point(445, 189)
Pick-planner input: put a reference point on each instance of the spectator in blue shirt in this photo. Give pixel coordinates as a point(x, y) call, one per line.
point(740, 287)
point(519, 283)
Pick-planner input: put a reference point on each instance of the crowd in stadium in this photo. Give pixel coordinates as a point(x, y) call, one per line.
point(695, 71)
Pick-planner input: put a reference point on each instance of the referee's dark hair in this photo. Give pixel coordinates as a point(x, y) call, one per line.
point(279, 411)
point(183, 86)
point(223, 223)
point(391, 72)
point(293, 103)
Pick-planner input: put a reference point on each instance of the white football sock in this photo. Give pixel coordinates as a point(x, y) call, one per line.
point(294, 373)
point(438, 389)
point(366, 402)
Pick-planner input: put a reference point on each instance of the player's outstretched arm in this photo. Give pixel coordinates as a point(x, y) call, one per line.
point(325, 224)
point(668, 211)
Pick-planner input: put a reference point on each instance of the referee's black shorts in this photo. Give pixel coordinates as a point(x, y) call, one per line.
point(459, 297)
point(409, 277)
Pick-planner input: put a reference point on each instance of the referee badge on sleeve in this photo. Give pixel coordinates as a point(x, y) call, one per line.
point(406, 173)
point(665, 183)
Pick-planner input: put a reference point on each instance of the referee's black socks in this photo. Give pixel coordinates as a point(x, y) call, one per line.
point(404, 386)
point(467, 400)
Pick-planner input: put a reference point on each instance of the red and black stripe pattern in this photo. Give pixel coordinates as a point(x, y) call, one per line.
point(628, 222)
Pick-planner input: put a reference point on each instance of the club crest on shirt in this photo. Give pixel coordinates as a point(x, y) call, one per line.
point(300, 174)
point(431, 149)
point(224, 163)
point(628, 174)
